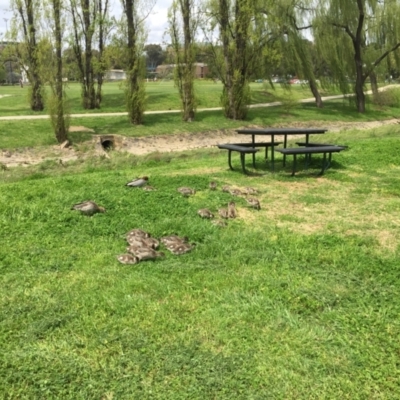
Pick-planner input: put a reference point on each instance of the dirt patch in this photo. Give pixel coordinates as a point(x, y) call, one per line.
point(162, 143)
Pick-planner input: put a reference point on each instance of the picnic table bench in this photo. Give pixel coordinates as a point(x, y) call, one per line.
point(312, 150)
point(243, 150)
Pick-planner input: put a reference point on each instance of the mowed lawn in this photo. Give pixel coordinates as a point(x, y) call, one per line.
point(299, 300)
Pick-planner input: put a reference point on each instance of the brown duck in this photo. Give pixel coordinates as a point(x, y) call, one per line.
point(88, 208)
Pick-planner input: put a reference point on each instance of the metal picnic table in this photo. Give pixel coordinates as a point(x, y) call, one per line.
point(285, 132)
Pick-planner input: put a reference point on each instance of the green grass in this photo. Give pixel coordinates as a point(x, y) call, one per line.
point(296, 301)
point(160, 96)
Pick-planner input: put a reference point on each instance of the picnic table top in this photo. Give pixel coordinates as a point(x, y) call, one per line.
point(280, 131)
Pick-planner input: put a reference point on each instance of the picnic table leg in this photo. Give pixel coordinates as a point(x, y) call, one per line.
point(294, 165)
point(242, 160)
point(273, 153)
point(324, 166)
point(284, 146)
point(254, 154)
point(229, 159)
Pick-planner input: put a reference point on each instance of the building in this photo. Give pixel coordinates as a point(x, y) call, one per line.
point(115, 75)
point(200, 70)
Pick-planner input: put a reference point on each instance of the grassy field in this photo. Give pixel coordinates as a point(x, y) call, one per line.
point(296, 301)
point(160, 96)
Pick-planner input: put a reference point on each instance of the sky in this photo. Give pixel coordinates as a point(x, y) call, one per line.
point(156, 22)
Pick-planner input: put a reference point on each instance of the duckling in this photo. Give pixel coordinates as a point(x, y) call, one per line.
point(220, 223)
point(146, 253)
point(88, 208)
point(235, 192)
point(151, 242)
point(180, 248)
point(226, 188)
point(173, 239)
point(250, 190)
point(213, 185)
point(231, 210)
point(186, 191)
point(133, 248)
point(136, 241)
point(127, 259)
point(253, 202)
point(223, 212)
point(138, 232)
point(149, 188)
point(138, 182)
point(205, 213)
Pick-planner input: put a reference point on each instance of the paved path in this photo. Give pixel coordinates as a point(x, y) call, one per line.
point(119, 114)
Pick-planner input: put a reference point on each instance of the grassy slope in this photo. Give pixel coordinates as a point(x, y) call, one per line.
point(298, 300)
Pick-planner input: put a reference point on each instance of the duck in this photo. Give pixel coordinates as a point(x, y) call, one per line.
point(127, 259)
point(250, 190)
point(138, 233)
point(226, 188)
point(180, 248)
point(173, 239)
point(220, 223)
point(133, 248)
point(213, 185)
point(136, 241)
point(151, 242)
point(149, 188)
point(231, 210)
point(146, 253)
point(205, 213)
point(253, 202)
point(186, 191)
point(88, 207)
point(223, 213)
point(235, 192)
point(138, 182)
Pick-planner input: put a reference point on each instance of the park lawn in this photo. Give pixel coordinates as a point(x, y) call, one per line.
point(161, 95)
point(296, 301)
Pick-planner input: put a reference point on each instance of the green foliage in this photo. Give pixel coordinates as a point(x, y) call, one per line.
point(387, 98)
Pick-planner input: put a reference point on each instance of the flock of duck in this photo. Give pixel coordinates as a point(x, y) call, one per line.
point(142, 246)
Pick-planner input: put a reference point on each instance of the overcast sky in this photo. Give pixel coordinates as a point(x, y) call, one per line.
point(156, 22)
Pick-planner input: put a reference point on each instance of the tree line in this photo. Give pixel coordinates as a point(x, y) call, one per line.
point(345, 43)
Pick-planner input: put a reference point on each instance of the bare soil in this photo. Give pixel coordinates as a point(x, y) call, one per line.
point(151, 144)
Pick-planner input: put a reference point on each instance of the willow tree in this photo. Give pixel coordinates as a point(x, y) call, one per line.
point(182, 28)
point(349, 36)
point(88, 24)
point(27, 20)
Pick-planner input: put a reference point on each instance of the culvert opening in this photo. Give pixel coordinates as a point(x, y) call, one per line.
point(107, 144)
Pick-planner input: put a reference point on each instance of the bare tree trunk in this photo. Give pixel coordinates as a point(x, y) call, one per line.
point(135, 91)
point(316, 94)
point(236, 91)
point(84, 24)
point(27, 15)
point(188, 88)
point(58, 120)
point(374, 83)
